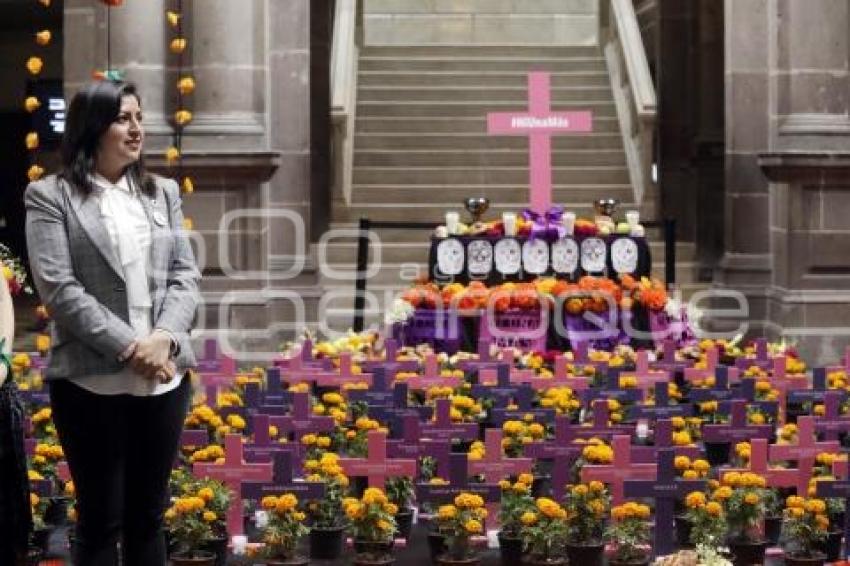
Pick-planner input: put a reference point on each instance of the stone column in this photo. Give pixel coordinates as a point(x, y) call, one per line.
point(137, 44)
point(746, 263)
point(227, 43)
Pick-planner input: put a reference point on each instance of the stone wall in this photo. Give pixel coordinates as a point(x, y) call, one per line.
point(500, 22)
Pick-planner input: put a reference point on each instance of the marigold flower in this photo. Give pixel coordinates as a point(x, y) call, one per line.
point(188, 224)
point(43, 37)
point(172, 17)
point(178, 45)
point(186, 85)
point(172, 154)
point(209, 516)
point(35, 172)
point(182, 117)
point(34, 65)
point(188, 186)
point(31, 104)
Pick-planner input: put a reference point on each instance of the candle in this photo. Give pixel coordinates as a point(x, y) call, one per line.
point(240, 544)
point(509, 223)
point(569, 219)
point(452, 219)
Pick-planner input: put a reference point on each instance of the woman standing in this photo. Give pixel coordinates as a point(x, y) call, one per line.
point(118, 276)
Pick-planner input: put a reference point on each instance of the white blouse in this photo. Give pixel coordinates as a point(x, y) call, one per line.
point(130, 233)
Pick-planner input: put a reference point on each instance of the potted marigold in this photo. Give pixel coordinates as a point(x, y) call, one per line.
point(516, 501)
point(629, 534)
point(587, 508)
point(190, 524)
point(543, 531)
point(284, 529)
point(458, 523)
point(743, 498)
point(706, 521)
point(400, 492)
point(372, 526)
point(328, 525)
point(805, 525)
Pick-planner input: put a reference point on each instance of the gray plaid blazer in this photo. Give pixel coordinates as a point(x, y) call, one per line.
point(80, 280)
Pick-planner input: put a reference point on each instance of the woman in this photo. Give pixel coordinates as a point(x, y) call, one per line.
point(117, 274)
point(15, 519)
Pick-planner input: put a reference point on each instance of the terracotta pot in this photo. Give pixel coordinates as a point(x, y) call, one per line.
point(586, 554)
point(373, 547)
point(639, 562)
point(199, 558)
point(218, 546)
point(745, 553)
point(818, 560)
point(532, 561)
point(831, 545)
point(326, 544)
point(683, 532)
point(436, 545)
point(369, 560)
point(510, 549)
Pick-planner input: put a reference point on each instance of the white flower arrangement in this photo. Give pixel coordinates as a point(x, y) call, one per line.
point(400, 312)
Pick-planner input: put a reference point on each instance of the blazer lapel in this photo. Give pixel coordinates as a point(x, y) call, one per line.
point(159, 240)
point(87, 209)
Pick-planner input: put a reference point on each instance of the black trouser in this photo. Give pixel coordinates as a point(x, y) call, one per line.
point(120, 450)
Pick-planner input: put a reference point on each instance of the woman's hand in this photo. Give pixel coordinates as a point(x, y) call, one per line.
point(151, 358)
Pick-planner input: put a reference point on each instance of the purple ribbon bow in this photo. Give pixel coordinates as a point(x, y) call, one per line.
point(548, 225)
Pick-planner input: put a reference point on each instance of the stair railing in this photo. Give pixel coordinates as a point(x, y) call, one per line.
point(634, 92)
point(347, 37)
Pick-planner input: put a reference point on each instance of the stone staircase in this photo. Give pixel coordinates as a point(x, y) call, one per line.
point(421, 147)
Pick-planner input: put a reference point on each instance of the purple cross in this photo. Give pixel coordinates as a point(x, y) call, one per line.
point(431, 376)
point(494, 466)
point(282, 482)
point(264, 447)
point(662, 409)
point(458, 483)
point(762, 359)
point(216, 370)
point(662, 438)
point(846, 363)
point(562, 453)
point(665, 490)
point(581, 356)
point(832, 423)
point(302, 420)
point(233, 473)
point(737, 430)
point(645, 376)
point(612, 390)
point(599, 428)
point(720, 391)
point(412, 445)
point(345, 376)
point(838, 489)
point(444, 429)
point(524, 398)
point(391, 363)
point(379, 393)
point(775, 477)
point(712, 365)
point(194, 439)
point(668, 361)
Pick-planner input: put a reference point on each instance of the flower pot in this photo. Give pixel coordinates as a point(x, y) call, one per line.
point(636, 562)
point(294, 561)
point(831, 545)
point(541, 486)
point(404, 522)
point(683, 532)
point(326, 543)
point(746, 553)
point(56, 512)
point(373, 547)
point(445, 560)
point(218, 546)
point(373, 560)
point(538, 561)
point(510, 549)
point(586, 554)
point(197, 558)
point(819, 559)
point(436, 544)
point(717, 453)
point(772, 529)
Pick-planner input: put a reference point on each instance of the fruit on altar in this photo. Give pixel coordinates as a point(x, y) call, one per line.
point(525, 297)
point(449, 293)
point(523, 227)
point(575, 306)
point(585, 228)
point(478, 228)
point(623, 228)
point(495, 229)
point(441, 232)
point(604, 230)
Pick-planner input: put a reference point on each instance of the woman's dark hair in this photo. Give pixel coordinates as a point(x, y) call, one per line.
point(92, 110)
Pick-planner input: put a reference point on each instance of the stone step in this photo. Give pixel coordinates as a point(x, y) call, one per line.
point(436, 212)
point(477, 79)
point(476, 141)
point(481, 6)
point(478, 64)
point(481, 51)
point(451, 124)
point(342, 252)
point(414, 176)
point(602, 108)
point(489, 158)
point(497, 193)
point(519, 94)
point(406, 273)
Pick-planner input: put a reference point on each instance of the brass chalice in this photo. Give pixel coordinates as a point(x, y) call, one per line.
point(476, 206)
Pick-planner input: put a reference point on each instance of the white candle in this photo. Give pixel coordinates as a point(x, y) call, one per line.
point(452, 220)
point(509, 223)
point(240, 544)
point(633, 218)
point(569, 220)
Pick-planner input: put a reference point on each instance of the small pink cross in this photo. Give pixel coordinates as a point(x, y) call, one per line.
point(494, 466)
point(646, 378)
point(346, 374)
point(233, 473)
point(775, 477)
point(431, 376)
point(804, 452)
point(712, 361)
point(620, 470)
point(376, 466)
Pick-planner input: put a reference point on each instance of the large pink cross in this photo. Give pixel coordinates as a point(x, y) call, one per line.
point(775, 477)
point(376, 466)
point(645, 376)
point(431, 376)
point(539, 123)
point(233, 473)
point(712, 358)
point(494, 466)
point(620, 470)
